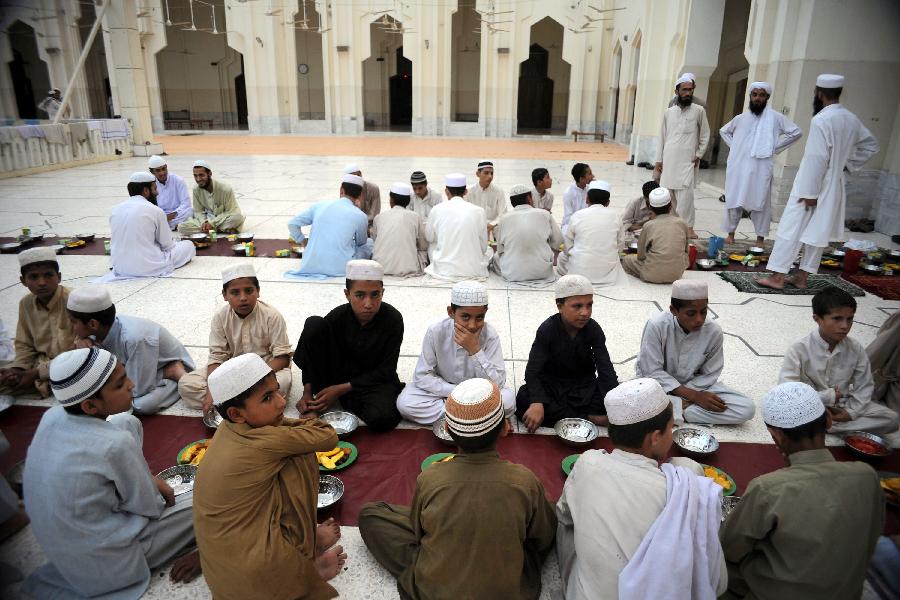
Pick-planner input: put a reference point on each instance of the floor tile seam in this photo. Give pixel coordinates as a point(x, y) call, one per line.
point(751, 348)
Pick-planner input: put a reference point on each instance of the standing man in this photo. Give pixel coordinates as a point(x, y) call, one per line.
point(814, 214)
point(755, 137)
point(457, 232)
point(485, 194)
point(171, 193)
point(215, 208)
point(526, 238)
point(575, 196)
point(370, 200)
point(423, 197)
point(682, 143)
point(51, 104)
point(541, 195)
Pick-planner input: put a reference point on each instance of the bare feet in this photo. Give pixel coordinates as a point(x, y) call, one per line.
point(186, 568)
point(799, 280)
point(774, 281)
point(327, 535)
point(329, 564)
point(174, 370)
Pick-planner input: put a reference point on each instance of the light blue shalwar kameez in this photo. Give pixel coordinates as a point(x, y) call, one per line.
point(339, 234)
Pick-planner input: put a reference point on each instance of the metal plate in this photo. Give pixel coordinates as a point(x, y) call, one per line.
point(180, 478)
point(440, 431)
point(344, 422)
point(694, 441)
point(212, 419)
point(331, 490)
point(576, 432)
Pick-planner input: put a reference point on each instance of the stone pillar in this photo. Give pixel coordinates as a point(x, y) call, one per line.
point(8, 107)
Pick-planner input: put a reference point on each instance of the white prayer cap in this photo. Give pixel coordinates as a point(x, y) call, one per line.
point(469, 293)
point(518, 190)
point(685, 78)
point(141, 177)
point(79, 374)
point(634, 401)
point(352, 169)
point(35, 255)
point(237, 271)
point(690, 289)
point(598, 184)
point(573, 285)
point(89, 299)
point(364, 270)
point(202, 163)
point(791, 404)
point(235, 376)
point(401, 189)
point(354, 179)
point(761, 85)
point(659, 197)
point(474, 408)
point(455, 180)
point(828, 80)
point(485, 163)
point(156, 162)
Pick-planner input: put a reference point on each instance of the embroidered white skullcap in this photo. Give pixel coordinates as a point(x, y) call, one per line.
point(635, 401)
point(455, 180)
point(829, 80)
point(235, 376)
point(685, 78)
point(79, 374)
point(761, 85)
point(141, 177)
point(364, 270)
point(473, 408)
point(352, 169)
point(202, 163)
point(237, 271)
point(791, 404)
point(573, 285)
point(518, 190)
point(469, 293)
point(401, 189)
point(599, 184)
point(354, 179)
point(35, 255)
point(156, 162)
point(485, 163)
point(89, 299)
point(690, 289)
point(659, 197)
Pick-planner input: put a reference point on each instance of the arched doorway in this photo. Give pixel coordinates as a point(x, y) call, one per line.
point(543, 99)
point(29, 74)
point(387, 79)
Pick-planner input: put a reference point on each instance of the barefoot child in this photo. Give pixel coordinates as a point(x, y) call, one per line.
point(101, 517)
point(256, 493)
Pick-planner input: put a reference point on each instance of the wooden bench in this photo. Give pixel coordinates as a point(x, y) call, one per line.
point(602, 136)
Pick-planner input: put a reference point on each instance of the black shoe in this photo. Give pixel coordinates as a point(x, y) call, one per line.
point(630, 161)
point(704, 164)
point(645, 165)
point(895, 239)
point(722, 198)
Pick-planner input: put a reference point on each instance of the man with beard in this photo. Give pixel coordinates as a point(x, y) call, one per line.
point(173, 197)
point(215, 208)
point(682, 142)
point(814, 214)
point(141, 244)
point(755, 137)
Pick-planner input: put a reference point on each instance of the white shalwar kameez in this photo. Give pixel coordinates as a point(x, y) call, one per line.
point(491, 199)
point(443, 364)
point(754, 142)
point(574, 199)
point(173, 197)
point(695, 360)
point(141, 243)
point(683, 137)
point(423, 206)
point(593, 240)
point(456, 231)
point(526, 238)
point(837, 141)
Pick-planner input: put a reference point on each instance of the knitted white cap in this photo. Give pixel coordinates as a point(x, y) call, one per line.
point(659, 197)
point(79, 374)
point(685, 78)
point(828, 80)
point(202, 163)
point(635, 401)
point(761, 85)
point(473, 408)
point(690, 289)
point(573, 285)
point(791, 404)
point(364, 270)
point(351, 169)
point(236, 271)
point(401, 189)
point(354, 179)
point(33, 255)
point(455, 180)
point(469, 293)
point(156, 162)
point(141, 177)
point(598, 184)
point(235, 376)
point(89, 299)
point(518, 190)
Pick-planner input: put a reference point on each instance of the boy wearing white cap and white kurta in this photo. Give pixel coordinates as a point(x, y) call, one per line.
point(172, 193)
point(154, 359)
point(340, 232)
point(593, 240)
point(806, 531)
point(43, 330)
point(457, 233)
point(662, 254)
point(370, 200)
point(457, 348)
point(485, 194)
point(814, 214)
point(526, 239)
point(245, 324)
point(682, 350)
point(214, 206)
point(141, 243)
point(256, 493)
point(399, 235)
point(632, 526)
point(96, 510)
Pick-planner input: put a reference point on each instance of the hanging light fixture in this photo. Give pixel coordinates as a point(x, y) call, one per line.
point(213, 9)
point(191, 6)
point(168, 15)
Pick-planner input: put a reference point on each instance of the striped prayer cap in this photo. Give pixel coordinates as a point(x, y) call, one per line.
point(474, 408)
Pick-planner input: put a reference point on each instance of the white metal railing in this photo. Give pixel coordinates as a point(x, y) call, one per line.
point(24, 147)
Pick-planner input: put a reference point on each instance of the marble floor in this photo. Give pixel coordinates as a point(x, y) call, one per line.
point(273, 188)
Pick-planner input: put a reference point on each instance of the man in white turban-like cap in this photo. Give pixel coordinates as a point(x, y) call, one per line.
point(172, 193)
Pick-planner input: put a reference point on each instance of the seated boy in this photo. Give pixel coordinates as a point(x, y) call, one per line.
point(568, 372)
point(593, 240)
point(100, 516)
point(245, 324)
point(630, 528)
point(837, 367)
point(637, 213)
point(399, 234)
point(43, 330)
point(351, 353)
point(153, 358)
point(683, 352)
point(662, 254)
point(256, 493)
point(526, 238)
point(809, 529)
point(455, 349)
point(479, 527)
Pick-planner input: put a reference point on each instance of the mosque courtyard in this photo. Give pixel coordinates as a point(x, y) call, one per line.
point(272, 187)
